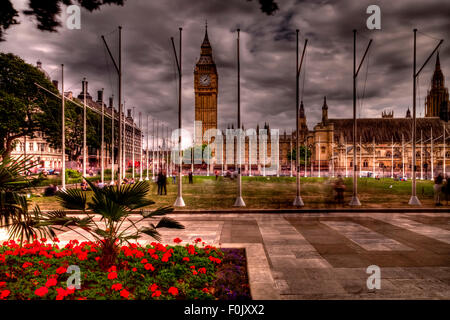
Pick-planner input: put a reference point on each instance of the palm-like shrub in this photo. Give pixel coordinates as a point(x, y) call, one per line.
point(104, 216)
point(15, 215)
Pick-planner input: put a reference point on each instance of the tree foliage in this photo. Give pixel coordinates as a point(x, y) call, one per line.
point(46, 12)
point(21, 101)
point(293, 154)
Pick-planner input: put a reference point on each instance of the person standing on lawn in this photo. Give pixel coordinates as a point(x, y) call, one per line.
point(164, 183)
point(159, 183)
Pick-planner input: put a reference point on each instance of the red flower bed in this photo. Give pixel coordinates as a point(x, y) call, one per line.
point(38, 270)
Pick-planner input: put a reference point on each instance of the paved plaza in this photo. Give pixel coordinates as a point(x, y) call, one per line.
point(325, 255)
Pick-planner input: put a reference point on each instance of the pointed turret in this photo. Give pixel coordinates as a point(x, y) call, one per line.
point(206, 49)
point(302, 110)
point(438, 77)
point(324, 111)
point(408, 113)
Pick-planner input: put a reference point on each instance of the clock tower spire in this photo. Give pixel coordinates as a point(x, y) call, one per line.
point(206, 87)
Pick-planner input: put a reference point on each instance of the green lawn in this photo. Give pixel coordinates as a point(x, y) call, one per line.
point(273, 192)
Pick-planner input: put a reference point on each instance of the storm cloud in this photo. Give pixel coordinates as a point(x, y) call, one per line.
point(267, 56)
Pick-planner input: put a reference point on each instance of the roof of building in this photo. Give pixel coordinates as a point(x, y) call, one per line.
point(386, 129)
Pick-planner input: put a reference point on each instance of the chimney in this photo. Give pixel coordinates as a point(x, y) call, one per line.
point(129, 113)
point(111, 102)
point(99, 96)
point(83, 84)
point(55, 83)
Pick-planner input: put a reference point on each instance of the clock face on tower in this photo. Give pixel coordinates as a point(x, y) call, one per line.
point(205, 79)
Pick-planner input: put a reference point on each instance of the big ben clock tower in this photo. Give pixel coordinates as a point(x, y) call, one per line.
point(206, 87)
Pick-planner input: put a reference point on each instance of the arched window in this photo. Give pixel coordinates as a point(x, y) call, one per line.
point(322, 149)
point(388, 154)
point(365, 164)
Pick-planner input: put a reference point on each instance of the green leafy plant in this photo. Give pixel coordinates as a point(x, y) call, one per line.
point(114, 205)
point(15, 215)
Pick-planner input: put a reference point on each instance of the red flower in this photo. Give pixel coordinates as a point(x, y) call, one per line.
point(194, 272)
point(144, 261)
point(124, 293)
point(134, 269)
point(112, 275)
point(4, 294)
point(36, 273)
point(198, 240)
point(116, 286)
point(202, 270)
point(26, 265)
point(2, 284)
point(43, 240)
point(173, 291)
point(113, 268)
point(61, 270)
point(177, 240)
point(51, 282)
point(157, 293)
point(61, 293)
point(191, 249)
point(149, 266)
point(153, 287)
point(186, 259)
point(42, 291)
point(205, 290)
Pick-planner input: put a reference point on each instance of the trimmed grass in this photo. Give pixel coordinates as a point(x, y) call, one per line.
point(279, 192)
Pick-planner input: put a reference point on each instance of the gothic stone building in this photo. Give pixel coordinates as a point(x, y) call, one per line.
point(383, 144)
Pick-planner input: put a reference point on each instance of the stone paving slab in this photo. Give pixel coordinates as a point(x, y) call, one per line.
point(325, 255)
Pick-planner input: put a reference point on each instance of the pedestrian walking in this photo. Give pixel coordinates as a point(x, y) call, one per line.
point(191, 179)
point(437, 189)
point(339, 188)
point(159, 182)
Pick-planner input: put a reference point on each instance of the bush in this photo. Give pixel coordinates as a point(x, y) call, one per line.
point(71, 173)
point(38, 271)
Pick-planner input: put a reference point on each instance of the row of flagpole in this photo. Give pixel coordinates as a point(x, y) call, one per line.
point(239, 200)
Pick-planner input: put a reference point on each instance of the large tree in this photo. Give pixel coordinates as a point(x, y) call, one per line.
point(21, 101)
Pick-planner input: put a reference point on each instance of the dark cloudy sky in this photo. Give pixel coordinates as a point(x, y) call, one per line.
point(267, 55)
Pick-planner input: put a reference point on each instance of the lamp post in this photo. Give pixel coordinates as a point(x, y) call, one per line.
point(355, 201)
point(414, 200)
point(239, 201)
point(179, 202)
point(298, 201)
point(63, 133)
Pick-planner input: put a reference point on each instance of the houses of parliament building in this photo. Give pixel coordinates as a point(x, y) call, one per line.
point(384, 146)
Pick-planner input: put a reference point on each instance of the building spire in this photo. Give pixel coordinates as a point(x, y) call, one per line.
point(438, 63)
point(325, 111)
point(206, 44)
point(302, 110)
